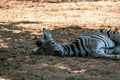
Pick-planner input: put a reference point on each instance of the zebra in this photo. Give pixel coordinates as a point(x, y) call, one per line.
point(102, 44)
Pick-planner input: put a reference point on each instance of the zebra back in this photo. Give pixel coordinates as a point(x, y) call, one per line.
point(113, 35)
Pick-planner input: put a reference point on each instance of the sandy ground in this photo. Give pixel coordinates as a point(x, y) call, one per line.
point(21, 24)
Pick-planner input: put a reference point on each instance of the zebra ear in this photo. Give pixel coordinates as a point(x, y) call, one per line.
point(47, 34)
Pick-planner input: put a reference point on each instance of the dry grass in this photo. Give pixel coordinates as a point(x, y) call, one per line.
point(88, 13)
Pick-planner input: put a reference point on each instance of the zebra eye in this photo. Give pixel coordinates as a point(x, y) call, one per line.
point(53, 43)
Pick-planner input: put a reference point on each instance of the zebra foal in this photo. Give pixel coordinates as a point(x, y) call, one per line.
point(103, 43)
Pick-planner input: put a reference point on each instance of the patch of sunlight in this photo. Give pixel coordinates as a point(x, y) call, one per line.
point(63, 67)
point(81, 71)
point(43, 64)
point(77, 71)
point(16, 31)
point(4, 78)
point(3, 44)
point(5, 29)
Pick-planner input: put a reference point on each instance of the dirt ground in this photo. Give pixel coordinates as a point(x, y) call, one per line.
point(21, 24)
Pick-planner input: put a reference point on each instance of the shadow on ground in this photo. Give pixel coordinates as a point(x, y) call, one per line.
point(17, 63)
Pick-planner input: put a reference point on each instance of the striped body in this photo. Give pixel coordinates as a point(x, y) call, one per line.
point(103, 43)
point(83, 45)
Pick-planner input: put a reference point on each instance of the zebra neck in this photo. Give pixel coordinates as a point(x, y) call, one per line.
point(70, 49)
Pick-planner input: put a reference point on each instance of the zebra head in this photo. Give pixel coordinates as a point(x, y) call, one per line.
point(52, 47)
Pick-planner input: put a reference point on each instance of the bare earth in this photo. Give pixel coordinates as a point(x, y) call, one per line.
point(22, 22)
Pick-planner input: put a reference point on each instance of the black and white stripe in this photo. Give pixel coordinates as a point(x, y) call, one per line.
point(113, 35)
point(81, 46)
point(100, 44)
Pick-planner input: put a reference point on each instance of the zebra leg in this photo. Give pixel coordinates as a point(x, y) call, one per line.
point(97, 50)
point(101, 54)
point(117, 50)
